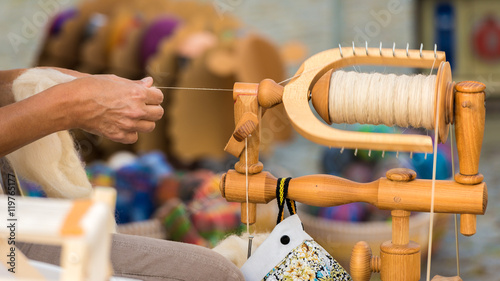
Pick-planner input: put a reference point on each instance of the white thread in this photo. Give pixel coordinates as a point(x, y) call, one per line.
point(302, 73)
point(194, 89)
point(457, 252)
point(382, 99)
point(246, 184)
point(431, 221)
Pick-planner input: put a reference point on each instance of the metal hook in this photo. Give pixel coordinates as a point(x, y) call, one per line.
point(366, 47)
point(342, 150)
point(411, 155)
point(407, 47)
point(356, 152)
point(370, 153)
point(250, 239)
point(425, 156)
point(435, 51)
point(421, 47)
point(397, 154)
point(380, 49)
point(340, 48)
point(353, 50)
point(394, 49)
point(383, 153)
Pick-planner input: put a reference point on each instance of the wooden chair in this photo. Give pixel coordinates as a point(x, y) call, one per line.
point(81, 227)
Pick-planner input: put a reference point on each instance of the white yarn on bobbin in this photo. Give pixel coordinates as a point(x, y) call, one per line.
point(374, 98)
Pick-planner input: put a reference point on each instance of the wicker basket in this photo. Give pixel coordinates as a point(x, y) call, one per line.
point(338, 237)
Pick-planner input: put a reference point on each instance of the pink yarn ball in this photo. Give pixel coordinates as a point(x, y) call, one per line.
point(196, 44)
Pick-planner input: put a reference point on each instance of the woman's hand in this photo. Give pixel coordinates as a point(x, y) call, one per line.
point(114, 107)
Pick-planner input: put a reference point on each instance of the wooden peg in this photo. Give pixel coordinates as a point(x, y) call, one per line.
point(401, 174)
point(252, 213)
point(468, 224)
point(246, 125)
point(270, 93)
point(362, 262)
point(400, 227)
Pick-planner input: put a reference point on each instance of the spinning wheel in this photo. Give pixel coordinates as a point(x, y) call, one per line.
point(461, 104)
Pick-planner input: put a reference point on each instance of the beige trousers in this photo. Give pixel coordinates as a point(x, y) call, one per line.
point(151, 259)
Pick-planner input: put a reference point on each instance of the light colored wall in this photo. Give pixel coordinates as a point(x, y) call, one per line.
point(22, 27)
point(319, 24)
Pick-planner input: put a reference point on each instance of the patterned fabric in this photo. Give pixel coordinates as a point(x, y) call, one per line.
point(309, 261)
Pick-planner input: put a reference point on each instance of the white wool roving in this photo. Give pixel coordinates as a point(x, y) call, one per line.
point(51, 161)
point(235, 248)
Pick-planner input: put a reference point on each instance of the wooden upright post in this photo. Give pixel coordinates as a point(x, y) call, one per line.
point(400, 258)
point(245, 95)
point(469, 131)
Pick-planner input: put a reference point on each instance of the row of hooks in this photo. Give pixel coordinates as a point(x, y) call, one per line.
point(393, 49)
point(383, 153)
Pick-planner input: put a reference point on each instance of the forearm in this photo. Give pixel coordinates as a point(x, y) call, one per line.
point(35, 117)
point(106, 105)
point(7, 77)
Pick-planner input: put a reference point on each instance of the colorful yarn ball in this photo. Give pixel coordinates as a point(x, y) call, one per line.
point(135, 190)
point(96, 21)
point(158, 164)
point(359, 172)
point(121, 159)
point(100, 174)
point(121, 27)
point(31, 189)
point(60, 19)
point(423, 166)
point(353, 212)
point(334, 161)
point(168, 188)
point(196, 44)
point(158, 31)
point(374, 155)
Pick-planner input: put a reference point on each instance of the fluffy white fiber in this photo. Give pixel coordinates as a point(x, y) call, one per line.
point(235, 248)
point(52, 161)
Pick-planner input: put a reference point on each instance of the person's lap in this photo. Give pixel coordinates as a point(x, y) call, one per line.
point(152, 259)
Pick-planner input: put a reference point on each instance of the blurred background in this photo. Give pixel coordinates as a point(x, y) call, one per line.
point(167, 182)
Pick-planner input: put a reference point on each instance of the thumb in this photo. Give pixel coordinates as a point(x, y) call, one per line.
point(147, 81)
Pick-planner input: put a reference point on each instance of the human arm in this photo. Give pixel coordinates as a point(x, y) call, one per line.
point(106, 105)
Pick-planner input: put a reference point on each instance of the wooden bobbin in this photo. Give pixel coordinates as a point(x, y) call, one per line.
point(444, 90)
